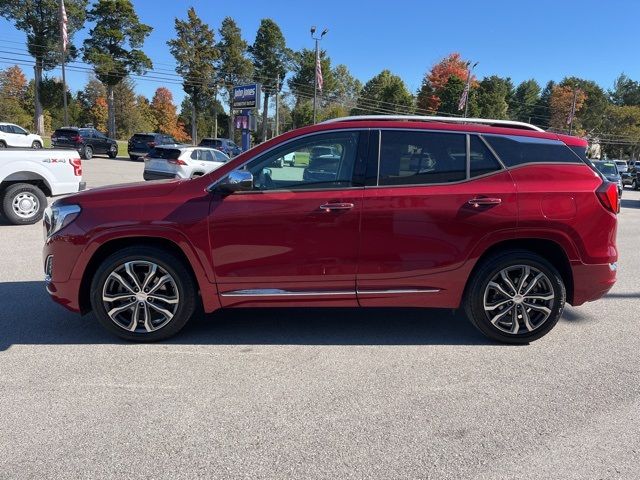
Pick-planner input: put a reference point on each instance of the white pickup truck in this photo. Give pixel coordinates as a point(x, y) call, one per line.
point(28, 176)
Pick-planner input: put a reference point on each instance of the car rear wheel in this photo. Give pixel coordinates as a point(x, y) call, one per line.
point(36, 145)
point(87, 152)
point(3, 145)
point(23, 204)
point(515, 297)
point(143, 294)
point(634, 184)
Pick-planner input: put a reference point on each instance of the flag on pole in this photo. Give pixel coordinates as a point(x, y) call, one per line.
point(319, 78)
point(464, 97)
point(63, 26)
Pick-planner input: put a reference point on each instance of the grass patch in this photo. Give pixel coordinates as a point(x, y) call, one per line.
point(302, 159)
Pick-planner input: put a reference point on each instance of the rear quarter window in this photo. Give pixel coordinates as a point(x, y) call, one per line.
point(166, 153)
point(514, 150)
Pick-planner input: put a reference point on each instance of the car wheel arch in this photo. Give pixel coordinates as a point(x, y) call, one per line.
point(546, 248)
point(206, 291)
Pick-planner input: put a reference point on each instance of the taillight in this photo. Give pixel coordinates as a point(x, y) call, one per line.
point(77, 166)
point(151, 144)
point(608, 195)
point(76, 139)
point(176, 161)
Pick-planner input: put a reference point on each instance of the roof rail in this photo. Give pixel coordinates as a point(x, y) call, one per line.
point(424, 118)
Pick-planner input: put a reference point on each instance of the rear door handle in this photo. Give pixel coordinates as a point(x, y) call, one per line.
point(476, 202)
point(331, 207)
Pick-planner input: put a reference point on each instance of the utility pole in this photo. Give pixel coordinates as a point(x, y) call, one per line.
point(468, 87)
point(276, 130)
point(315, 76)
point(215, 112)
point(63, 47)
point(573, 110)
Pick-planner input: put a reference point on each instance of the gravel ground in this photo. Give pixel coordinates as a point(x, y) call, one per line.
point(315, 393)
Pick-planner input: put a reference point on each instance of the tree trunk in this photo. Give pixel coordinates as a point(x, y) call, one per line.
point(265, 108)
point(111, 112)
point(194, 127)
point(38, 117)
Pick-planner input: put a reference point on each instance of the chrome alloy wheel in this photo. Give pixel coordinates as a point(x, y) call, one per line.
point(140, 296)
point(25, 204)
point(518, 299)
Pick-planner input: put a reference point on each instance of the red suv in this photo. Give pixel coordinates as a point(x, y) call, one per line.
point(498, 217)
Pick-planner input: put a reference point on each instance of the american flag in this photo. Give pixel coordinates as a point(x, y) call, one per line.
point(319, 79)
point(464, 97)
point(63, 26)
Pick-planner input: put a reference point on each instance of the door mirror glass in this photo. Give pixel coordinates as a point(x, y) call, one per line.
point(236, 181)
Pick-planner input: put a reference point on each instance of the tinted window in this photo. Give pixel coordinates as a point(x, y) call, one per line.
point(195, 155)
point(85, 132)
point(4, 128)
point(65, 132)
point(482, 160)
point(206, 155)
point(221, 157)
point(518, 150)
point(166, 153)
point(606, 168)
point(18, 130)
point(408, 158)
point(332, 171)
point(143, 138)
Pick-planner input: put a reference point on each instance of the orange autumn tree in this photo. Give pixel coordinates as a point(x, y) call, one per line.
point(99, 114)
point(165, 114)
point(436, 79)
point(560, 104)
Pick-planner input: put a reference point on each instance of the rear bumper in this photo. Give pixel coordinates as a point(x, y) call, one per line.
point(591, 282)
point(147, 175)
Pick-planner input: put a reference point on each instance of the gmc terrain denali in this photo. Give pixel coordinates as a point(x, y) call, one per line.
point(498, 217)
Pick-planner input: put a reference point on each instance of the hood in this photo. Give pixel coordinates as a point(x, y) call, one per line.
point(129, 191)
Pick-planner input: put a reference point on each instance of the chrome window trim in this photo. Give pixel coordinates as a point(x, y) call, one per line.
point(398, 291)
point(468, 147)
point(282, 144)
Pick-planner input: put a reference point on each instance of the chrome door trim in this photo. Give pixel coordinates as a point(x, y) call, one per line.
point(398, 291)
point(277, 292)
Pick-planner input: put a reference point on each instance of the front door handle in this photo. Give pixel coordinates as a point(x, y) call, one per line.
point(476, 202)
point(332, 207)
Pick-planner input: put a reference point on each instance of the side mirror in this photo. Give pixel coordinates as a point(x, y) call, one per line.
point(236, 181)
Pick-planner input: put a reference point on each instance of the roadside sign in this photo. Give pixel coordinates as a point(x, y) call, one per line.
point(246, 96)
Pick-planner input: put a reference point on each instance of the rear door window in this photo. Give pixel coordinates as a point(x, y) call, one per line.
point(416, 157)
point(206, 155)
point(482, 161)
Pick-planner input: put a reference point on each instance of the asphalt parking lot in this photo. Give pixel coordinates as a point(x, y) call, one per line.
point(315, 393)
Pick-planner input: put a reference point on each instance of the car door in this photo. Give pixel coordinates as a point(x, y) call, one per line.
point(17, 137)
point(289, 240)
point(435, 197)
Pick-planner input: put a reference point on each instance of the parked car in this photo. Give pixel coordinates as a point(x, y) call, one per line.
point(622, 165)
point(15, 136)
point(28, 177)
point(630, 177)
point(609, 170)
point(223, 144)
point(140, 144)
point(507, 222)
point(176, 161)
point(323, 163)
point(87, 141)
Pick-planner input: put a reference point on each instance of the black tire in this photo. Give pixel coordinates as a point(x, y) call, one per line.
point(134, 158)
point(87, 152)
point(185, 286)
point(33, 194)
point(113, 151)
point(474, 295)
point(3, 145)
point(634, 184)
point(36, 145)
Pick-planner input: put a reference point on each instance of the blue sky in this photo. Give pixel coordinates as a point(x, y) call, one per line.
point(545, 40)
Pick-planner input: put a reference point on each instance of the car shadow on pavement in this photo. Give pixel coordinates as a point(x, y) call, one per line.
point(28, 316)
point(625, 203)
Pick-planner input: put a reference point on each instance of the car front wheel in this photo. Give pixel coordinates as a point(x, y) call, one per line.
point(87, 153)
point(143, 294)
point(515, 297)
point(113, 151)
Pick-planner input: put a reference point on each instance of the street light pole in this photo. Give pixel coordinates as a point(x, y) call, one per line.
point(468, 87)
point(315, 70)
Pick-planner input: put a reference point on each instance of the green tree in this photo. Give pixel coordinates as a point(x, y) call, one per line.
point(271, 59)
point(622, 124)
point(39, 20)
point(542, 111)
point(492, 97)
point(625, 91)
point(384, 93)
point(592, 114)
point(13, 94)
point(524, 100)
point(304, 68)
point(347, 87)
point(114, 47)
point(449, 96)
point(195, 51)
point(129, 113)
point(234, 68)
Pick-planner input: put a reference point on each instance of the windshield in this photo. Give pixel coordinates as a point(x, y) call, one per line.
point(166, 153)
point(607, 168)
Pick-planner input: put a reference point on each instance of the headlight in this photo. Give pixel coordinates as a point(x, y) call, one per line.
point(57, 217)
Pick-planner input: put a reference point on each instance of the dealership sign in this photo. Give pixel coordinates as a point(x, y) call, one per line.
point(246, 96)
